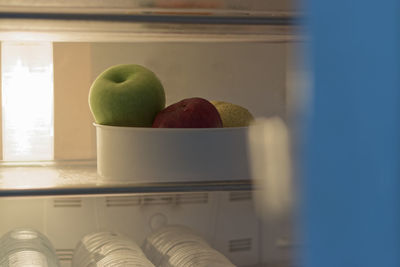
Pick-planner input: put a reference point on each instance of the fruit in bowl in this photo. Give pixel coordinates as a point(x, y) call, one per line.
point(192, 112)
point(126, 95)
point(233, 115)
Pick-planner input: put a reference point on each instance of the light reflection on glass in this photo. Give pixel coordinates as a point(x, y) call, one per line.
point(271, 166)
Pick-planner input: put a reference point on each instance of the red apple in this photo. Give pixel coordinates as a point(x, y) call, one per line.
point(193, 112)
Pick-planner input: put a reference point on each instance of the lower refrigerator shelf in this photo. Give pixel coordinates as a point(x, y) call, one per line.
point(81, 178)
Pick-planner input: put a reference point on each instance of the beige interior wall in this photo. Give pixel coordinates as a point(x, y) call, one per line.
point(74, 133)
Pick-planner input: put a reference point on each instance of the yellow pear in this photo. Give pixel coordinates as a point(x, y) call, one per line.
point(233, 115)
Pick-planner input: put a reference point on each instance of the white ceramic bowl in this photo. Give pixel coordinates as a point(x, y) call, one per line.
point(172, 155)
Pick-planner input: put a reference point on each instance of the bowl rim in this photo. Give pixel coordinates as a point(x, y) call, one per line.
point(180, 130)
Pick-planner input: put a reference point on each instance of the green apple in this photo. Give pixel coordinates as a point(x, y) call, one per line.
point(126, 95)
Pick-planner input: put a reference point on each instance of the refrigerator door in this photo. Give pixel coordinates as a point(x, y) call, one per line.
point(350, 185)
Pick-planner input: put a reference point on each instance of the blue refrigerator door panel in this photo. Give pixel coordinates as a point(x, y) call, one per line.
point(350, 186)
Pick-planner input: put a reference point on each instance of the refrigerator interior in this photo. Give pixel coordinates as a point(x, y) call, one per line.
point(256, 74)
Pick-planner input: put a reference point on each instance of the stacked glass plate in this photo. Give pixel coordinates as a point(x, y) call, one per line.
point(23, 247)
point(173, 246)
point(108, 249)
